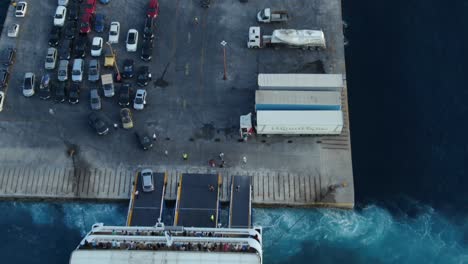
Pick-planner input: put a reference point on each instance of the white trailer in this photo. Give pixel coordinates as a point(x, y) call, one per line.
point(297, 100)
point(268, 16)
point(292, 38)
point(300, 82)
point(299, 122)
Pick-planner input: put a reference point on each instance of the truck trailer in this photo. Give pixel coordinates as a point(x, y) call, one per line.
point(268, 16)
point(300, 82)
point(291, 38)
point(297, 100)
point(299, 122)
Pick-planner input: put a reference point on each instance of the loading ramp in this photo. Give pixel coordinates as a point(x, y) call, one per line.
point(240, 207)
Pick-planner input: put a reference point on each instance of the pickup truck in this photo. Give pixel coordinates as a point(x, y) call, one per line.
point(268, 16)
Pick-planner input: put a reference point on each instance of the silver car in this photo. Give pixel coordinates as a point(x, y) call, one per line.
point(62, 74)
point(95, 99)
point(51, 59)
point(147, 180)
point(28, 84)
point(93, 71)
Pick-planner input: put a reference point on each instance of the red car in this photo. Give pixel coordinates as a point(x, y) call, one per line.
point(85, 24)
point(153, 9)
point(90, 6)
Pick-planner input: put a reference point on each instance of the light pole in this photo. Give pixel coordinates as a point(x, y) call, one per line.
point(118, 77)
point(224, 43)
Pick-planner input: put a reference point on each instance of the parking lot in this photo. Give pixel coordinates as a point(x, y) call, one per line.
point(193, 110)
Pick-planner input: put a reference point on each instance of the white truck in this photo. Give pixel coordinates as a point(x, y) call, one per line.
point(292, 38)
point(268, 16)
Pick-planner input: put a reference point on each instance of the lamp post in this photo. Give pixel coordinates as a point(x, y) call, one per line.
point(224, 43)
point(118, 77)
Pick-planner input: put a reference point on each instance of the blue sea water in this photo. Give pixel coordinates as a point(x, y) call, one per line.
point(406, 72)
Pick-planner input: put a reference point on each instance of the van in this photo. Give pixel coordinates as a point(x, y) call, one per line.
point(77, 70)
point(147, 180)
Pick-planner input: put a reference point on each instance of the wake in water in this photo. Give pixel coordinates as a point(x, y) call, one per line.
point(370, 235)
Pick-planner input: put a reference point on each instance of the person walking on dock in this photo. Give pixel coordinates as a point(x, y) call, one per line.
point(221, 156)
point(185, 156)
point(244, 159)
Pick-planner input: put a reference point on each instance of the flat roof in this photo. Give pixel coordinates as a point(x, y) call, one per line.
point(155, 257)
point(147, 205)
point(298, 97)
point(196, 202)
point(299, 117)
point(300, 80)
point(240, 215)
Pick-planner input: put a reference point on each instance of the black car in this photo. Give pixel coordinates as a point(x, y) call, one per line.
point(144, 76)
point(45, 87)
point(65, 49)
point(81, 46)
point(70, 29)
point(98, 123)
point(124, 95)
point(148, 30)
point(8, 56)
point(128, 69)
point(145, 140)
point(73, 11)
point(4, 78)
point(60, 92)
point(147, 50)
point(54, 36)
point(74, 94)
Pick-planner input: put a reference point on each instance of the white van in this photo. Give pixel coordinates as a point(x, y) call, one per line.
point(77, 71)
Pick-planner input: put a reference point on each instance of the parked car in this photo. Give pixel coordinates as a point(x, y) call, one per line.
point(128, 69)
point(70, 29)
point(73, 11)
point(20, 9)
point(7, 57)
point(65, 49)
point(148, 29)
point(144, 139)
point(13, 30)
point(124, 95)
point(126, 117)
point(44, 87)
point(77, 70)
point(60, 92)
point(114, 32)
point(86, 23)
point(62, 74)
point(143, 76)
point(51, 59)
point(147, 182)
point(104, 2)
point(29, 84)
point(60, 16)
point(2, 100)
point(99, 24)
point(81, 46)
point(107, 85)
point(93, 71)
point(153, 9)
point(96, 46)
point(140, 99)
point(132, 40)
point(74, 93)
point(95, 99)
point(90, 6)
point(147, 50)
point(99, 123)
point(54, 36)
point(4, 78)
point(62, 2)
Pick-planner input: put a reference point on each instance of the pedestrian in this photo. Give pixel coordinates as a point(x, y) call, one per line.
point(244, 159)
point(222, 164)
point(221, 156)
point(212, 218)
point(185, 156)
point(237, 188)
point(166, 152)
point(155, 136)
point(136, 193)
point(212, 163)
point(211, 188)
point(195, 20)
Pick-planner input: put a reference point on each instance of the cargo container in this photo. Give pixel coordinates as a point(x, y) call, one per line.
point(300, 82)
point(297, 100)
point(299, 122)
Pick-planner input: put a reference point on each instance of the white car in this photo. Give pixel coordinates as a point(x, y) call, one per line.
point(77, 70)
point(13, 30)
point(29, 84)
point(2, 99)
point(62, 2)
point(140, 99)
point(59, 17)
point(20, 10)
point(132, 40)
point(51, 59)
point(96, 47)
point(114, 32)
